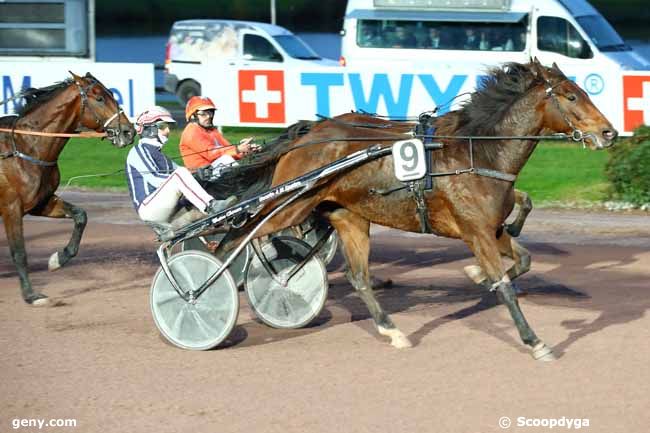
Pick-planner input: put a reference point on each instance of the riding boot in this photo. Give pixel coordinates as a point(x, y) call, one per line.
point(164, 231)
point(216, 206)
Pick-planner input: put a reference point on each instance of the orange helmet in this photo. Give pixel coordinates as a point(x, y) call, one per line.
point(196, 103)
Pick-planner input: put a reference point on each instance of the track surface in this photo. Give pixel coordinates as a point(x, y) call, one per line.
point(96, 356)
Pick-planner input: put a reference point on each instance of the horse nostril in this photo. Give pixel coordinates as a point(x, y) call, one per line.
point(609, 134)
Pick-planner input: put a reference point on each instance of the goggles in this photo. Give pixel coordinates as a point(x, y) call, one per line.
point(162, 125)
point(205, 112)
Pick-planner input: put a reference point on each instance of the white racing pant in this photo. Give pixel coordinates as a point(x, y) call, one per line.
point(160, 205)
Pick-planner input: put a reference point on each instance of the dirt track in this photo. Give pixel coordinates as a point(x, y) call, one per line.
point(97, 358)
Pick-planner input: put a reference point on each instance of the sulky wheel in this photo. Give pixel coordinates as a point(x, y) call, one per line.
point(237, 268)
point(311, 232)
point(198, 325)
point(328, 250)
point(286, 304)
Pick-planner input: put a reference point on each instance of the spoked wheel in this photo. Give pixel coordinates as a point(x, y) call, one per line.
point(204, 323)
point(276, 299)
point(237, 268)
point(311, 232)
point(327, 252)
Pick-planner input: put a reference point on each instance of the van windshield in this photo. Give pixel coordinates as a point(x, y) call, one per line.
point(602, 34)
point(484, 36)
point(296, 48)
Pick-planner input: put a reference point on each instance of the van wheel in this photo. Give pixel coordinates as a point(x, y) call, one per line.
point(187, 89)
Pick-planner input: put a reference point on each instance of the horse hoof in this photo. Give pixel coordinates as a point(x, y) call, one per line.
point(475, 273)
point(38, 300)
point(541, 352)
point(397, 339)
point(53, 264)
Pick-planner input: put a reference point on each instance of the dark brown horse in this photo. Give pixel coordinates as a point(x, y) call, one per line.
point(517, 100)
point(29, 174)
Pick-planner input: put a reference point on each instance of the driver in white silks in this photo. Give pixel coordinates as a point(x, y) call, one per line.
point(156, 183)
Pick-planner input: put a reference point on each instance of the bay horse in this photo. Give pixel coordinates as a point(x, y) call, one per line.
point(517, 100)
point(29, 174)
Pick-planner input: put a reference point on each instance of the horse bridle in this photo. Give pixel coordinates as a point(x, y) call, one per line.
point(576, 134)
point(83, 92)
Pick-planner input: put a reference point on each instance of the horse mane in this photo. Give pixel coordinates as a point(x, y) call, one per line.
point(34, 97)
point(487, 106)
point(254, 173)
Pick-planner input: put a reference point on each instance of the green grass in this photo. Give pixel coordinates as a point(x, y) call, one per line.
point(554, 173)
point(564, 173)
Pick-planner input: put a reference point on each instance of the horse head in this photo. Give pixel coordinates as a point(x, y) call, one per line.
point(568, 109)
point(100, 111)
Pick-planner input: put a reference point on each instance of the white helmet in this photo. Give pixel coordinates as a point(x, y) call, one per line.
point(150, 122)
point(151, 116)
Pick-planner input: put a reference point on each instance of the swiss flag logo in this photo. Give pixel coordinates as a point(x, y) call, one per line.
point(261, 96)
point(636, 101)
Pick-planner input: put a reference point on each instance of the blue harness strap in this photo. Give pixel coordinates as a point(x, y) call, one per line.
point(430, 131)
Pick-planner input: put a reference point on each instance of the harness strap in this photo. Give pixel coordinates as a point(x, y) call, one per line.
point(417, 188)
point(15, 152)
point(495, 174)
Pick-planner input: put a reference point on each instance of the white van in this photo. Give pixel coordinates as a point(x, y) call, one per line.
point(568, 32)
point(193, 43)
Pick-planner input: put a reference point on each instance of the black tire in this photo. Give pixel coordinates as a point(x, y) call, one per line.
point(187, 89)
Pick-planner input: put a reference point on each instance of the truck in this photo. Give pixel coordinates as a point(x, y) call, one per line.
point(439, 32)
point(193, 44)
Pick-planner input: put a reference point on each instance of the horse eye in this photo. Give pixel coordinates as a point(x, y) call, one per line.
point(99, 98)
point(572, 97)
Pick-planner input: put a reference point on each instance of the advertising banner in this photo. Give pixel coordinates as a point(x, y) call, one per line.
point(277, 97)
point(132, 83)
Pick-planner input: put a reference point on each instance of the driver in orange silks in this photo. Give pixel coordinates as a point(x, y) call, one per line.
point(202, 144)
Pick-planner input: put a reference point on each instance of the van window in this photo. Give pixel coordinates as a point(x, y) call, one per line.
point(441, 35)
point(602, 34)
point(296, 48)
point(259, 48)
point(559, 36)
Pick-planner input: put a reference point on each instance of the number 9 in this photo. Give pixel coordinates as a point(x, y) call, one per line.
point(409, 154)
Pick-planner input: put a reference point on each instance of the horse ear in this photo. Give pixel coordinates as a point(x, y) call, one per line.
point(540, 70)
point(556, 68)
point(75, 76)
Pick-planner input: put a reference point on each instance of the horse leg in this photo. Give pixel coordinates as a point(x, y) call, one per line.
point(508, 247)
point(13, 221)
point(488, 254)
point(354, 233)
point(56, 207)
point(525, 206)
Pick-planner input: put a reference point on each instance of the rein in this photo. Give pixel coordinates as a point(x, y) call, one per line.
point(84, 134)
